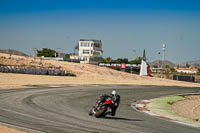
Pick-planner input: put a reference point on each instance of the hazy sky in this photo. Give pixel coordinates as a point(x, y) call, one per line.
point(122, 25)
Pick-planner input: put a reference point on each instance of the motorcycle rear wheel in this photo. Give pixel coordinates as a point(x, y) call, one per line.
point(100, 113)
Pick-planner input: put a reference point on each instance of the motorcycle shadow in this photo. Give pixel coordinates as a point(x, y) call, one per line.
point(121, 118)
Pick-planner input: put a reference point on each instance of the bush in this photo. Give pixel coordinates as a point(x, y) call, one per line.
point(198, 71)
point(46, 52)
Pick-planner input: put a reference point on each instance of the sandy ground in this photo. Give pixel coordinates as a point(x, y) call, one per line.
point(9, 130)
point(190, 107)
point(9, 80)
point(85, 74)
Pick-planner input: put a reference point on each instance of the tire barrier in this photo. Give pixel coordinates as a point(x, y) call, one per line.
point(184, 78)
point(34, 70)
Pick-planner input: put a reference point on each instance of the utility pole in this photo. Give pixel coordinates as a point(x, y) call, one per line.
point(134, 54)
point(158, 67)
point(58, 51)
point(134, 57)
point(34, 50)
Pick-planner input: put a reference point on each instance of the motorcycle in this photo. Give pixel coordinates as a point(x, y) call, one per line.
point(100, 109)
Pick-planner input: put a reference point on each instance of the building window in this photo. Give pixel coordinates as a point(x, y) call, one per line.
point(86, 52)
point(83, 44)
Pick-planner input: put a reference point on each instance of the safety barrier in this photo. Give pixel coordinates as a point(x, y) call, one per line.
point(184, 78)
point(34, 70)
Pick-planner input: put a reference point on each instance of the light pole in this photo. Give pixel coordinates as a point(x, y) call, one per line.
point(158, 60)
point(164, 50)
point(134, 53)
point(163, 59)
point(58, 51)
point(34, 50)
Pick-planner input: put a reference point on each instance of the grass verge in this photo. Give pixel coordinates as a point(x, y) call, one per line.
point(162, 106)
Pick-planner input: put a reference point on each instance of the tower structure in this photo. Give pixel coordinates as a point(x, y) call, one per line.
point(144, 66)
point(164, 50)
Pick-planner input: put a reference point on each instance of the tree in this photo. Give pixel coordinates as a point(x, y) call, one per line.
point(172, 70)
point(187, 65)
point(120, 60)
point(67, 56)
point(46, 52)
point(198, 71)
point(107, 60)
point(138, 60)
point(178, 66)
point(155, 66)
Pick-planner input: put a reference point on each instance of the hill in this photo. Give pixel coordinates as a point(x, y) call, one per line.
point(191, 63)
point(159, 63)
point(12, 52)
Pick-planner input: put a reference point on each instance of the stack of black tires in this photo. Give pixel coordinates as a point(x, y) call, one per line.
point(33, 70)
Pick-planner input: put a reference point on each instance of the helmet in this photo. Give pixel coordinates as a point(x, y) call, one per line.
point(114, 92)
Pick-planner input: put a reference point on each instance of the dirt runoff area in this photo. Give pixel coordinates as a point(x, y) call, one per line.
point(9, 130)
point(85, 74)
point(189, 107)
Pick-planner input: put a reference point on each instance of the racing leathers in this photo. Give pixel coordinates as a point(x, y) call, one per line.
point(114, 98)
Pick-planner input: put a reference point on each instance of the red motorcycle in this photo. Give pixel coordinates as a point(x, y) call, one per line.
point(100, 109)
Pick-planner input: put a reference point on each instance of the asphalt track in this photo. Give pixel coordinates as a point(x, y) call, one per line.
point(65, 110)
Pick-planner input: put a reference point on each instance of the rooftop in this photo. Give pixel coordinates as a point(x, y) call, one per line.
point(98, 41)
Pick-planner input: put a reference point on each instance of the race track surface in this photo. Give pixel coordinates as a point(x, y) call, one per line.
point(65, 110)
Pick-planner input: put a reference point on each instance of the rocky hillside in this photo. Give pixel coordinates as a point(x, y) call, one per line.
point(159, 63)
point(191, 63)
point(12, 52)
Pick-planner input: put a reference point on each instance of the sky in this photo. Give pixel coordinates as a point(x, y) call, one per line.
point(126, 27)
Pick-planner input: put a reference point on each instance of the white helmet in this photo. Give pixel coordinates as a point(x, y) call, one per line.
point(114, 92)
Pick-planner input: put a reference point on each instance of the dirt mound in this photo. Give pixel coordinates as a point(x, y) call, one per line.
point(85, 73)
point(190, 107)
point(80, 70)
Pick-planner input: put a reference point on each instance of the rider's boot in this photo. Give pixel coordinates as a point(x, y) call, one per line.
point(90, 113)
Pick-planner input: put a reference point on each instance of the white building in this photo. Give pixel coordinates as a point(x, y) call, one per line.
point(186, 71)
point(89, 51)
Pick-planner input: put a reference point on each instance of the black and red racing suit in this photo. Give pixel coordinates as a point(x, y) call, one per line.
point(115, 99)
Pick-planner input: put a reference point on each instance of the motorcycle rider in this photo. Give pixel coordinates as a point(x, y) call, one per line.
point(115, 97)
